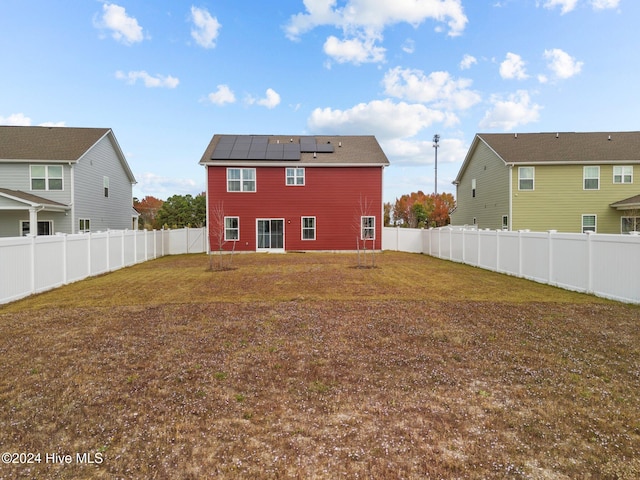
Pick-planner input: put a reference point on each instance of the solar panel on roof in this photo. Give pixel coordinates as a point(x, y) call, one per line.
point(275, 151)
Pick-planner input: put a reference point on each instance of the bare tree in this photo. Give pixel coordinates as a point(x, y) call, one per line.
point(218, 234)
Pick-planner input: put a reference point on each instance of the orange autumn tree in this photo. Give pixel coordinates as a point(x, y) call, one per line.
point(418, 210)
point(148, 209)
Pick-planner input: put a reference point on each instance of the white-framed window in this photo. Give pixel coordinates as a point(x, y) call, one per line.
point(308, 228)
point(623, 174)
point(591, 178)
point(46, 177)
point(241, 179)
point(45, 227)
point(368, 230)
point(473, 187)
point(505, 222)
point(84, 225)
point(295, 176)
point(231, 229)
point(629, 224)
point(589, 223)
point(526, 176)
point(105, 185)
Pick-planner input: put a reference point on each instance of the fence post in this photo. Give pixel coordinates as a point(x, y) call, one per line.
point(33, 262)
point(497, 250)
point(589, 264)
point(550, 257)
point(64, 258)
point(520, 253)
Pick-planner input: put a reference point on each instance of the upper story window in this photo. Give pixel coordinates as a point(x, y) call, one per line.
point(46, 177)
point(105, 185)
point(526, 177)
point(295, 176)
point(623, 174)
point(241, 179)
point(591, 178)
point(473, 187)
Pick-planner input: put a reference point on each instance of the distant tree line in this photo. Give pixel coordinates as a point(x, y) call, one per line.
point(418, 210)
point(177, 211)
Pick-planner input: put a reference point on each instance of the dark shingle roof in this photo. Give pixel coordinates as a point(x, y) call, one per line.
point(627, 203)
point(347, 150)
point(47, 143)
point(565, 147)
point(30, 198)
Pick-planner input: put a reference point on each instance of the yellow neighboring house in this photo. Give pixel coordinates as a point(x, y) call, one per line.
point(569, 182)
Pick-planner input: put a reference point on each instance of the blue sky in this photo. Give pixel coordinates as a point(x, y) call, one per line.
point(166, 75)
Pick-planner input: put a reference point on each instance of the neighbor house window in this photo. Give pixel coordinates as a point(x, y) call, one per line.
point(105, 185)
point(368, 228)
point(630, 224)
point(308, 228)
point(85, 225)
point(231, 229)
point(588, 223)
point(473, 187)
point(591, 178)
point(525, 178)
point(295, 176)
point(46, 177)
point(623, 174)
point(44, 228)
point(241, 179)
point(505, 222)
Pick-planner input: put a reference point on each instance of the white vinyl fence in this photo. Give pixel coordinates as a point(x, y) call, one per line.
point(34, 264)
point(604, 265)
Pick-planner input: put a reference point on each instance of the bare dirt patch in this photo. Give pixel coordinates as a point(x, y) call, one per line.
point(299, 366)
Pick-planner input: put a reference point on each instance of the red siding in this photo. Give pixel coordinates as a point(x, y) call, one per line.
point(331, 194)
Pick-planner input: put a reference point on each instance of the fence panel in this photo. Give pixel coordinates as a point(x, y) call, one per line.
point(16, 268)
point(615, 266)
point(605, 265)
point(49, 261)
point(78, 266)
point(34, 264)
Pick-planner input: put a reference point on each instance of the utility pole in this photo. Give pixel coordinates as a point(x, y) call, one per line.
point(436, 139)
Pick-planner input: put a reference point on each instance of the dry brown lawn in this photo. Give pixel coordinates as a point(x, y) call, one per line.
point(302, 366)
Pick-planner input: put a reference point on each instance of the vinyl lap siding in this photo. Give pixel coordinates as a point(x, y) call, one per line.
point(492, 197)
point(330, 194)
point(559, 200)
point(113, 212)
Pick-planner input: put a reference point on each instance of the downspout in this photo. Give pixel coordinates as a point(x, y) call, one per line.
point(206, 204)
point(73, 203)
point(510, 225)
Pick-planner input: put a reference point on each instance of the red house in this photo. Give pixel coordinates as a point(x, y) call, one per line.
point(294, 193)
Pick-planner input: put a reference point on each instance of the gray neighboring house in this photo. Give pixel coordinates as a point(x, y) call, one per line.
point(63, 180)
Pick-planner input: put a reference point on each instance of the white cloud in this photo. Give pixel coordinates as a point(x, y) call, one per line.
point(164, 187)
point(356, 51)
point(383, 118)
point(438, 88)
point(222, 95)
point(513, 67)
point(365, 20)
point(421, 152)
point(271, 100)
point(565, 5)
point(124, 28)
point(409, 46)
point(467, 62)
point(149, 81)
point(604, 4)
point(16, 119)
point(206, 28)
point(53, 124)
point(506, 114)
point(562, 64)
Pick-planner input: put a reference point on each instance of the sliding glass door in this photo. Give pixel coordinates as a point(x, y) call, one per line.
point(270, 234)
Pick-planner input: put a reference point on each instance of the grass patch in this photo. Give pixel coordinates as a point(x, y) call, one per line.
point(299, 366)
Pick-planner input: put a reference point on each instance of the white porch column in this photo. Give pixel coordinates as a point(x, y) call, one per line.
point(33, 221)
